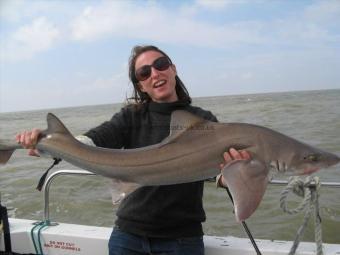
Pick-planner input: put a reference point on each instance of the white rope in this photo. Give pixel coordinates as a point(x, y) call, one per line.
point(309, 190)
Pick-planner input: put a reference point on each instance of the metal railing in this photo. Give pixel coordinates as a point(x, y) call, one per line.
point(57, 173)
point(48, 183)
point(325, 184)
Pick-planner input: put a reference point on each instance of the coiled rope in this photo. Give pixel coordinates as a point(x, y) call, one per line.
point(309, 190)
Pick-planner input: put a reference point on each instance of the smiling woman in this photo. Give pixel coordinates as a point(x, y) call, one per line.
point(161, 218)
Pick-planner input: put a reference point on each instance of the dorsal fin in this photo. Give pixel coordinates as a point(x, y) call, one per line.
point(181, 121)
point(54, 125)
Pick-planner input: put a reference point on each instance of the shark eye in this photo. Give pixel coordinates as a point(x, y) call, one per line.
point(312, 157)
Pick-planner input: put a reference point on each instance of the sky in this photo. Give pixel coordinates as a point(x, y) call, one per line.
point(61, 53)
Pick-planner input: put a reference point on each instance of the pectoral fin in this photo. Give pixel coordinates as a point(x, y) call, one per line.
point(121, 189)
point(247, 181)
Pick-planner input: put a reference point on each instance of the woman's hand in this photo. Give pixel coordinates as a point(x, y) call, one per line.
point(28, 140)
point(229, 156)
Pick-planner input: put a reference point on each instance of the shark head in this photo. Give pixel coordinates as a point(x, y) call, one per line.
point(310, 162)
point(307, 160)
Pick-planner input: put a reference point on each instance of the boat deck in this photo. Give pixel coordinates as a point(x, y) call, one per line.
point(67, 239)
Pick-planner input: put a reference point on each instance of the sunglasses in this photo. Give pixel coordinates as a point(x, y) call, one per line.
point(160, 64)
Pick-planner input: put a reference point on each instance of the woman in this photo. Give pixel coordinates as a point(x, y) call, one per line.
point(159, 219)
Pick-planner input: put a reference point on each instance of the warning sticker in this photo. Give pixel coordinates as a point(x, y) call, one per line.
point(62, 246)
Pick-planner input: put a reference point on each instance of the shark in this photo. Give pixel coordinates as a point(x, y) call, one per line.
point(192, 152)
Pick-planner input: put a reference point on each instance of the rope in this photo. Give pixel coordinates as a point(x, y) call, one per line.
point(37, 243)
point(309, 190)
point(43, 177)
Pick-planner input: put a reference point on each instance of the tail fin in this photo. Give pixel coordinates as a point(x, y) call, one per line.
point(5, 156)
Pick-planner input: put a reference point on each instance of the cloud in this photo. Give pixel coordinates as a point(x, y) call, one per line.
point(30, 39)
point(116, 18)
point(38, 36)
point(22, 11)
point(154, 23)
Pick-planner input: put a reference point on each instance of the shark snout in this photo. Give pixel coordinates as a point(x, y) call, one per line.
point(336, 160)
point(332, 160)
point(312, 162)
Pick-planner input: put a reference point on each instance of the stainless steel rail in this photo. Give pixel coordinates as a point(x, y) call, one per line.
point(57, 173)
point(48, 183)
point(325, 184)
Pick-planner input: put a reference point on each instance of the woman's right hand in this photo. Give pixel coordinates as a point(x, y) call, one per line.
point(28, 140)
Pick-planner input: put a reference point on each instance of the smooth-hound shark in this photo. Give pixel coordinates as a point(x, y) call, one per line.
point(192, 152)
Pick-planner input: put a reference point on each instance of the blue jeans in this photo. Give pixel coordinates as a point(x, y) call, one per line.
point(122, 243)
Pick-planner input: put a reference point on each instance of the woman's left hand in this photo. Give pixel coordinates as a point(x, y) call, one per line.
point(229, 156)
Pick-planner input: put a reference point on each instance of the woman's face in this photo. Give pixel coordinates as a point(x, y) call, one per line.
point(160, 86)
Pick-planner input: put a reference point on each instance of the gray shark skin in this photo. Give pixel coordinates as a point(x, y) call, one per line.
point(192, 152)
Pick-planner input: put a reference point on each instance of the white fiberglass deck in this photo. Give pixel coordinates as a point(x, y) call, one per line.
point(67, 239)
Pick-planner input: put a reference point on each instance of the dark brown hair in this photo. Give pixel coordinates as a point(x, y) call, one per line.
point(139, 97)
